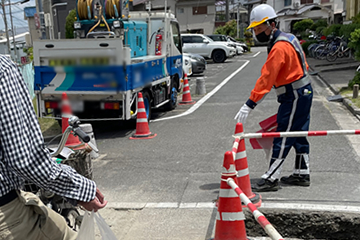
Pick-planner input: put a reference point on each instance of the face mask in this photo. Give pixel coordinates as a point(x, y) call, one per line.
point(262, 37)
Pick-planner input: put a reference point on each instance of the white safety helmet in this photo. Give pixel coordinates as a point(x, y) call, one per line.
point(261, 14)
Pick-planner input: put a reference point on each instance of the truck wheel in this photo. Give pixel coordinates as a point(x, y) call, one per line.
point(173, 96)
point(219, 56)
point(147, 105)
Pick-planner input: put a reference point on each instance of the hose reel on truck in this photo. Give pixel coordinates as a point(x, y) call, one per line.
point(98, 18)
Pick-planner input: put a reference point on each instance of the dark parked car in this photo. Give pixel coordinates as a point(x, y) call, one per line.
point(198, 63)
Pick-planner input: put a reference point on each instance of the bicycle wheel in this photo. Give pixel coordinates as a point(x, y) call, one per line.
point(320, 53)
point(331, 56)
point(310, 49)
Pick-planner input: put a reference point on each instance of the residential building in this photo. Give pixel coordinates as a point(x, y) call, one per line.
point(351, 9)
point(196, 16)
point(291, 11)
point(193, 16)
point(234, 9)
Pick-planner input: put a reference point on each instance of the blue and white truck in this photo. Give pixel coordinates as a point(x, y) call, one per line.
point(116, 54)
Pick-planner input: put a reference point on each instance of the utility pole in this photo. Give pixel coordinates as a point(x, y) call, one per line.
point(13, 34)
point(237, 21)
point(6, 26)
point(227, 11)
point(42, 21)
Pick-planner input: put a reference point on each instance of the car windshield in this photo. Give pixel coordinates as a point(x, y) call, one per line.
point(223, 38)
point(231, 39)
point(208, 38)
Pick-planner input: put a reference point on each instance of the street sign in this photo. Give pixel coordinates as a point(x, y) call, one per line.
point(24, 59)
point(37, 21)
point(47, 20)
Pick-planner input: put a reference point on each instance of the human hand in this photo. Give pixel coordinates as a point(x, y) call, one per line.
point(243, 113)
point(97, 203)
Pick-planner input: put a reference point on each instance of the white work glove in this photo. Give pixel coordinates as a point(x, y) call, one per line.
point(243, 114)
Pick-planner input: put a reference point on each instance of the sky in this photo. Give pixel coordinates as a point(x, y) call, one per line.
point(17, 10)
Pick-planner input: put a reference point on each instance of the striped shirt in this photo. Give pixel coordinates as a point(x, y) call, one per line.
point(23, 155)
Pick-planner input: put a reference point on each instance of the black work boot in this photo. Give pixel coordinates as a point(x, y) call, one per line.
point(298, 180)
point(265, 185)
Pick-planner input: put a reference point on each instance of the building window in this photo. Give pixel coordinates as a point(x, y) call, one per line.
point(325, 1)
point(199, 10)
point(180, 10)
point(307, 1)
point(287, 3)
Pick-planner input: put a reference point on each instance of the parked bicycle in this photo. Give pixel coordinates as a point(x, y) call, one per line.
point(78, 159)
point(342, 51)
point(331, 45)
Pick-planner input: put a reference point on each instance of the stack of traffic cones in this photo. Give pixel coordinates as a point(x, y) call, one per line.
point(66, 113)
point(186, 96)
point(230, 224)
point(142, 125)
point(242, 169)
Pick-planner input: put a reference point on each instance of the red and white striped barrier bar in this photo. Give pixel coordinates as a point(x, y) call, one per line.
point(259, 217)
point(298, 134)
point(235, 147)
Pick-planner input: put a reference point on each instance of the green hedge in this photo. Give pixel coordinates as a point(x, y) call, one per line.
point(347, 29)
point(306, 44)
point(355, 80)
point(332, 30)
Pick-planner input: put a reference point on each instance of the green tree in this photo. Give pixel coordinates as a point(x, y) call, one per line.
point(69, 25)
point(302, 25)
point(228, 29)
point(355, 43)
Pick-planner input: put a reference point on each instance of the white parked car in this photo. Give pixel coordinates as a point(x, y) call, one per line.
point(223, 38)
point(241, 44)
point(206, 47)
point(187, 67)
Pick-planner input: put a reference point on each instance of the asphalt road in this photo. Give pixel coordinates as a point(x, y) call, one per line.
point(181, 166)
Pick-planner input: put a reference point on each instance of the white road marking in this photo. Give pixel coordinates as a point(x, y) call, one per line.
point(256, 54)
point(206, 97)
point(207, 205)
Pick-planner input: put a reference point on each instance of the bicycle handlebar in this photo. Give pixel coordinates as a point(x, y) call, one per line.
point(81, 134)
point(73, 126)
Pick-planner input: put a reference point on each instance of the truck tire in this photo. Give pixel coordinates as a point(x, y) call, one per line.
point(147, 105)
point(219, 56)
point(173, 96)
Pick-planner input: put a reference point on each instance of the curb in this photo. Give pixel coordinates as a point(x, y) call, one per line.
point(347, 102)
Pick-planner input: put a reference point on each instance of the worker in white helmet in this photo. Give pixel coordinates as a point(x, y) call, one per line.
point(286, 70)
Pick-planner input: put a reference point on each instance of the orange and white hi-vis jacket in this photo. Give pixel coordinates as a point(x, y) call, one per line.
point(283, 66)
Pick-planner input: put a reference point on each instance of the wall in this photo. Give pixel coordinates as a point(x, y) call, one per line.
point(352, 8)
point(189, 21)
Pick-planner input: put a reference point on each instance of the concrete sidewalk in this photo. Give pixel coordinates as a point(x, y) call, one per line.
point(336, 75)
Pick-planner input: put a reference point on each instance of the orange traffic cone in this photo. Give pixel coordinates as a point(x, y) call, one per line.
point(66, 113)
point(142, 125)
point(230, 224)
point(186, 97)
point(242, 169)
